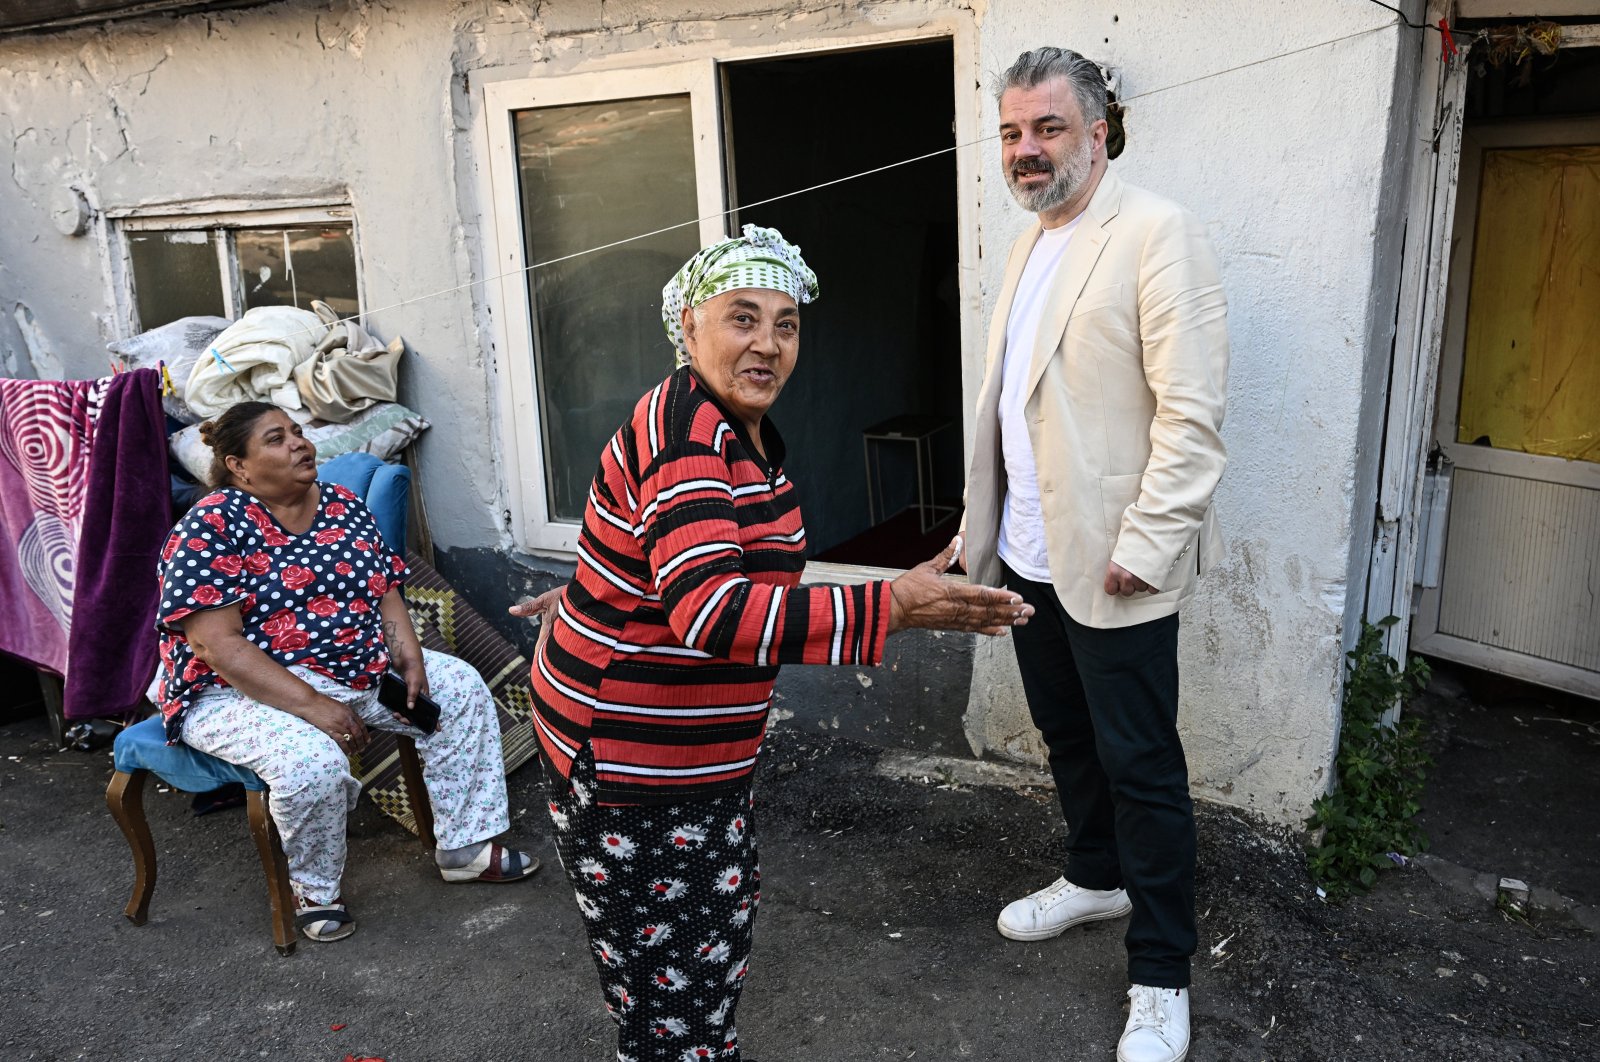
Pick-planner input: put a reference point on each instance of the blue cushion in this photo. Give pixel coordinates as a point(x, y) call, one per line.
point(389, 498)
point(385, 488)
point(143, 746)
point(353, 470)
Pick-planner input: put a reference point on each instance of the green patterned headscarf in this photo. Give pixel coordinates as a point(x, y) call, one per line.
point(761, 258)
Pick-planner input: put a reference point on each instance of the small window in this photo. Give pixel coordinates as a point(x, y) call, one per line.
point(223, 265)
point(290, 267)
point(175, 275)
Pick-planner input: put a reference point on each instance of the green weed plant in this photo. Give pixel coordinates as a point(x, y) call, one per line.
point(1381, 768)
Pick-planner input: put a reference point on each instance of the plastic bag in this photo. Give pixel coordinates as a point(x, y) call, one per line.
point(179, 345)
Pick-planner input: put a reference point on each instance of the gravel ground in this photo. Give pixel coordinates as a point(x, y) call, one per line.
point(876, 939)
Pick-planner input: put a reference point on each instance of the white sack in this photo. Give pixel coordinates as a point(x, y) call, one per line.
point(261, 351)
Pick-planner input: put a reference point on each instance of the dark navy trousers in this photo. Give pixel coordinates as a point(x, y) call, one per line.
point(1106, 702)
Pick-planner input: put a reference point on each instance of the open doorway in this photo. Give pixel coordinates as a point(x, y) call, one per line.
point(1510, 556)
point(1516, 443)
point(873, 412)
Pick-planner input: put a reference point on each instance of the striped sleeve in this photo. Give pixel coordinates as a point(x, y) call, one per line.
point(691, 541)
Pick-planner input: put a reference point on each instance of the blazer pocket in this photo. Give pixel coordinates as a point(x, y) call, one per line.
point(1116, 494)
point(1096, 299)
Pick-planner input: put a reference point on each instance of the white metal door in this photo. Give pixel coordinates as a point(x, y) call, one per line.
point(1518, 430)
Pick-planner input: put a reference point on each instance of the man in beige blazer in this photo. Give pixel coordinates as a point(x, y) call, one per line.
point(1097, 451)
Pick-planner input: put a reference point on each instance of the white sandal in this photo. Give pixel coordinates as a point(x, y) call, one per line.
point(487, 866)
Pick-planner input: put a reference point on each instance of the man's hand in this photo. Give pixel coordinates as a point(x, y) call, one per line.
point(1120, 581)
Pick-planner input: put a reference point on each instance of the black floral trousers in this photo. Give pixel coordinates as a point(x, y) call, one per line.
point(668, 895)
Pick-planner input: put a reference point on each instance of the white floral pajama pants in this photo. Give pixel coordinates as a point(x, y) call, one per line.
point(311, 789)
point(668, 894)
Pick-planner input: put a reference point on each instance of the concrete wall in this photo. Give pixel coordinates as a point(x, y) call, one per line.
point(282, 101)
point(1284, 160)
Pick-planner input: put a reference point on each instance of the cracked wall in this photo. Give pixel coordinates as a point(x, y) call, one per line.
point(1286, 160)
point(379, 102)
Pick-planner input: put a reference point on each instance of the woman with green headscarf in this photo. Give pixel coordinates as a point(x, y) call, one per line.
point(652, 678)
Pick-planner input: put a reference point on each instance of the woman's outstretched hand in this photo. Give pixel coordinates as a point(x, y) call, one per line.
point(540, 610)
point(922, 597)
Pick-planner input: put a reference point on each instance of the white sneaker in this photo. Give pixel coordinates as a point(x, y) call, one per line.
point(1058, 907)
point(1158, 1025)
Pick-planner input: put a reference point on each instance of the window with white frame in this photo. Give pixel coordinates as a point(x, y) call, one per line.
point(222, 264)
point(582, 164)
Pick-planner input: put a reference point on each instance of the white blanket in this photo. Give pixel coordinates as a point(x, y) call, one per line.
point(254, 360)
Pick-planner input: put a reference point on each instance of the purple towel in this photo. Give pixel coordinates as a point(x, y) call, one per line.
point(127, 512)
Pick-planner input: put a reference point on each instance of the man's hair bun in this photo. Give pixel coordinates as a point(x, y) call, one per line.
point(1116, 135)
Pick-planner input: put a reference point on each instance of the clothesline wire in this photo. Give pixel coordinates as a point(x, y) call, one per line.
point(1258, 62)
point(666, 228)
point(837, 180)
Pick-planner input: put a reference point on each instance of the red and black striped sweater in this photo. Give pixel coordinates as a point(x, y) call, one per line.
point(686, 600)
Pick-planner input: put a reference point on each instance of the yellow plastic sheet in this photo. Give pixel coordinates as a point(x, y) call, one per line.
point(1531, 380)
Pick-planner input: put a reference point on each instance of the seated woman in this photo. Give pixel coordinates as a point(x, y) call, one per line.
point(280, 611)
point(653, 677)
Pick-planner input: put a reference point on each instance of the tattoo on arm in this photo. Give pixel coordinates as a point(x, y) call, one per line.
point(390, 630)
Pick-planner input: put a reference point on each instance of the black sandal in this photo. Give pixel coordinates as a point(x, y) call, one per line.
point(324, 922)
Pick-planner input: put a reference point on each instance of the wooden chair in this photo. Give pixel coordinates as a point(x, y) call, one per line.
point(141, 750)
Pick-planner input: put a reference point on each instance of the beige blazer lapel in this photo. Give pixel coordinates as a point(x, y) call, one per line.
point(1082, 254)
point(1008, 293)
point(985, 492)
point(994, 359)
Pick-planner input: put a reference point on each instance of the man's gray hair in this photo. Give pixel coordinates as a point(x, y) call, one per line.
point(1033, 68)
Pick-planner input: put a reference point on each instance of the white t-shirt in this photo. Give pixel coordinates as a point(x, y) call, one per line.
point(1022, 543)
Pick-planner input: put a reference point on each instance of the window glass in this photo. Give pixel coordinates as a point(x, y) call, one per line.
point(175, 274)
point(290, 267)
point(590, 174)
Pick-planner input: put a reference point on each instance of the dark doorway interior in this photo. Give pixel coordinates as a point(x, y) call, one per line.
point(1562, 85)
point(883, 341)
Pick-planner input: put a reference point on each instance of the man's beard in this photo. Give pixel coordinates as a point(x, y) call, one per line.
point(1066, 181)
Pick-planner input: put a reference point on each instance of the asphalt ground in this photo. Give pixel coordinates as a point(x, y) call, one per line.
point(875, 938)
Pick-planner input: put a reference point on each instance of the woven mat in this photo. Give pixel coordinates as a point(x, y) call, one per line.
point(447, 624)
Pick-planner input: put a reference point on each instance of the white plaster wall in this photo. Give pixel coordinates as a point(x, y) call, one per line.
point(1285, 162)
point(326, 97)
point(286, 100)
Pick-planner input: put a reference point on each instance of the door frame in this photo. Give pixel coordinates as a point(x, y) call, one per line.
point(514, 389)
point(1426, 637)
point(523, 457)
point(1396, 548)
point(1414, 365)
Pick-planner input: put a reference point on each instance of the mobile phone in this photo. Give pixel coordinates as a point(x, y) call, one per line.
point(424, 715)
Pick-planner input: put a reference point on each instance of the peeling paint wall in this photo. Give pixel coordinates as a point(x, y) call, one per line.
point(379, 102)
point(1285, 161)
point(289, 100)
